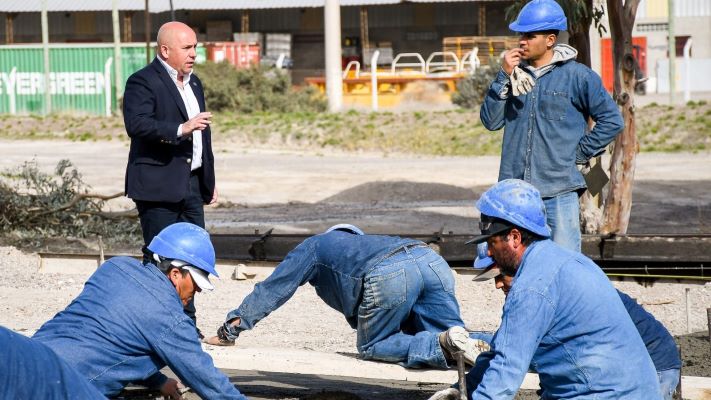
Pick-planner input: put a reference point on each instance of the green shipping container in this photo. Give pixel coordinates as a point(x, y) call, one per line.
point(81, 77)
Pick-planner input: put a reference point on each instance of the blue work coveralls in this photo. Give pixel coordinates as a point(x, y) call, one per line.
point(397, 293)
point(125, 326)
point(30, 370)
point(564, 319)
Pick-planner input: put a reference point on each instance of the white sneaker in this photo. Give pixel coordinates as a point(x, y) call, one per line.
point(457, 339)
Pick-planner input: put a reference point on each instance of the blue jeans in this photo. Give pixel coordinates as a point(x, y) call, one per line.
point(563, 217)
point(668, 381)
point(408, 299)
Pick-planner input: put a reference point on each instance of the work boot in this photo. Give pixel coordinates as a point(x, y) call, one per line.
point(220, 340)
point(457, 339)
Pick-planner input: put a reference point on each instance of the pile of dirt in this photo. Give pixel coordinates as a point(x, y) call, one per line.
point(403, 192)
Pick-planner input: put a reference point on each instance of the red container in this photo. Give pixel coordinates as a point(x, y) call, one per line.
point(241, 55)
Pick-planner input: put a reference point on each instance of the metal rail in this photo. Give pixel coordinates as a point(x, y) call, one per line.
point(685, 257)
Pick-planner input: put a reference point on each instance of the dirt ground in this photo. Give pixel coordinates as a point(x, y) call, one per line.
point(307, 192)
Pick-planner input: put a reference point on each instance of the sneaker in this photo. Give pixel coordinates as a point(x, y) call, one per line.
point(457, 339)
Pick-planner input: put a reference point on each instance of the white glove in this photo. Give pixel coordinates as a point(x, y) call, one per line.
point(521, 82)
point(446, 394)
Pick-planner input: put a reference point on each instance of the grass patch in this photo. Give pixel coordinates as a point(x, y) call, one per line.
point(455, 132)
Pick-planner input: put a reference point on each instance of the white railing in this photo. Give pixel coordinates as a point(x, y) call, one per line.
point(447, 61)
point(420, 64)
point(350, 65)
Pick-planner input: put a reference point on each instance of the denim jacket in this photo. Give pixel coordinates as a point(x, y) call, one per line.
point(563, 318)
point(30, 370)
point(333, 263)
point(546, 130)
point(125, 326)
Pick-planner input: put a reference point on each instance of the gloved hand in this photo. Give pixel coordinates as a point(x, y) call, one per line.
point(220, 340)
point(446, 394)
point(521, 82)
point(584, 168)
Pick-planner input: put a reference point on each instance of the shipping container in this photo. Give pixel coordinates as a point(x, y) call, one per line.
point(81, 76)
point(241, 55)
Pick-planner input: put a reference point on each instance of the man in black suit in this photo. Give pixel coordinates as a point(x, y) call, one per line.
point(170, 173)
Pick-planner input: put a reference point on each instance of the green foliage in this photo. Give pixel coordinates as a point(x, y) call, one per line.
point(255, 89)
point(472, 90)
point(34, 203)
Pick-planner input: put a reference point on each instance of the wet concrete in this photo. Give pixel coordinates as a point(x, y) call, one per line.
point(669, 207)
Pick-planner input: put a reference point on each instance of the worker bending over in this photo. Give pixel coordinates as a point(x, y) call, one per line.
point(561, 315)
point(128, 322)
point(660, 344)
point(398, 293)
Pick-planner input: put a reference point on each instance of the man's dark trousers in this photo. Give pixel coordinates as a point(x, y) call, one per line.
point(156, 215)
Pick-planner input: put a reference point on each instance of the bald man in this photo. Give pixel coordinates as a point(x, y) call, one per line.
point(170, 173)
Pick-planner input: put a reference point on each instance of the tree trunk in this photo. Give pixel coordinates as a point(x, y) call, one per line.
point(619, 199)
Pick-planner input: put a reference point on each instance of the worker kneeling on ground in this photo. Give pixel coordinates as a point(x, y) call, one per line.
point(129, 322)
point(660, 344)
point(398, 293)
point(561, 315)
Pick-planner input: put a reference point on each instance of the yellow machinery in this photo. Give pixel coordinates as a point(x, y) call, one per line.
point(411, 78)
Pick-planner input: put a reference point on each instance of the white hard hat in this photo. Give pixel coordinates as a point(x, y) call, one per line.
point(346, 228)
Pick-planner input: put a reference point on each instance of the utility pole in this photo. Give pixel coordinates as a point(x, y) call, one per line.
point(45, 49)
point(147, 18)
point(334, 79)
point(672, 54)
point(117, 50)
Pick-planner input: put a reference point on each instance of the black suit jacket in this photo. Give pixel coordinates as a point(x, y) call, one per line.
point(158, 162)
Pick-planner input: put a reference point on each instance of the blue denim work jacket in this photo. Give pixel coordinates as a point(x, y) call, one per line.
point(546, 130)
point(30, 370)
point(333, 263)
point(125, 326)
point(564, 319)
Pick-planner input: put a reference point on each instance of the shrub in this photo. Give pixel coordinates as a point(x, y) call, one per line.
point(254, 89)
point(471, 90)
point(36, 204)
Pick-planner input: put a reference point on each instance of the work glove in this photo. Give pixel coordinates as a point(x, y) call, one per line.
point(521, 82)
point(446, 394)
point(221, 339)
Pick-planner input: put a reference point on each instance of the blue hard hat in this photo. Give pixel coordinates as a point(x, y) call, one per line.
point(540, 15)
point(346, 228)
point(185, 242)
point(511, 203)
point(483, 260)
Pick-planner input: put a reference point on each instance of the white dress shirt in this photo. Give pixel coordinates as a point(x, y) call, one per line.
point(193, 109)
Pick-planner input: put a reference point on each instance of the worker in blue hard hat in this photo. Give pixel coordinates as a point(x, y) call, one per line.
point(561, 313)
point(659, 342)
point(544, 99)
point(128, 322)
point(396, 292)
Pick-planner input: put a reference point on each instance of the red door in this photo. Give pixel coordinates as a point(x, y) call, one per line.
point(639, 51)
